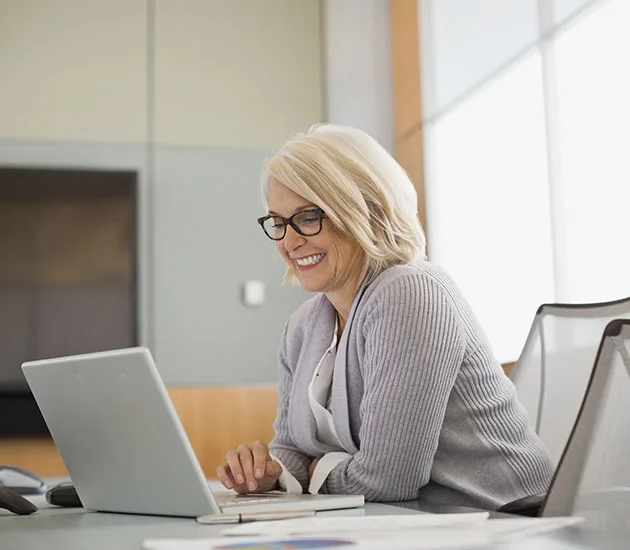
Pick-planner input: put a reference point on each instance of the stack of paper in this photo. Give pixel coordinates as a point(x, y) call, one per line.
point(398, 532)
point(428, 540)
point(364, 524)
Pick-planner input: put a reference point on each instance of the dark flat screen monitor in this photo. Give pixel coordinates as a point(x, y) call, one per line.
point(68, 281)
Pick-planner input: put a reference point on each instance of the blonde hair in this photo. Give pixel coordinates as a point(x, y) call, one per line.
point(365, 193)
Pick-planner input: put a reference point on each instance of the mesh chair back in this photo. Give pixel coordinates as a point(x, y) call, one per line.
point(554, 367)
point(593, 476)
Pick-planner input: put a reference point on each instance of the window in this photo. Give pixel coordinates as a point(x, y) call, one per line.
point(489, 222)
point(512, 235)
point(594, 122)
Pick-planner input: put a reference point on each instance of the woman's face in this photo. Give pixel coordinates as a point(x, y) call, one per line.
point(318, 260)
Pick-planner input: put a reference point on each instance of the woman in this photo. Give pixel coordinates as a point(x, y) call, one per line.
point(388, 387)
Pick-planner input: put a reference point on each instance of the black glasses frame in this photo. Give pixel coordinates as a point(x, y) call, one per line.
point(289, 221)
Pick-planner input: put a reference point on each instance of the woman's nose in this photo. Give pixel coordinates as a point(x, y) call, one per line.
point(292, 239)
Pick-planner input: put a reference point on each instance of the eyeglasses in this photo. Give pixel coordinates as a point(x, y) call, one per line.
point(307, 223)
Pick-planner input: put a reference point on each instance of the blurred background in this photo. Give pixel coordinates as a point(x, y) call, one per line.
point(132, 135)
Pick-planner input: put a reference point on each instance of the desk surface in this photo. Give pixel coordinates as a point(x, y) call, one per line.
point(76, 529)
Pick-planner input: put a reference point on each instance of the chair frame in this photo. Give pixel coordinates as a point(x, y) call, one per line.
point(560, 499)
point(618, 308)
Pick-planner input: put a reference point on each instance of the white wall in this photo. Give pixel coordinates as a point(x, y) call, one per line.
point(227, 82)
point(358, 65)
point(244, 73)
point(73, 70)
point(239, 73)
point(233, 78)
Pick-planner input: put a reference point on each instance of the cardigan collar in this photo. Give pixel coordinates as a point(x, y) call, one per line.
point(318, 337)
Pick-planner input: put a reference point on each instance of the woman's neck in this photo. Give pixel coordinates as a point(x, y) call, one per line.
point(342, 301)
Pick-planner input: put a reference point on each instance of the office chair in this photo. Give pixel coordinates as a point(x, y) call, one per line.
point(592, 479)
point(554, 367)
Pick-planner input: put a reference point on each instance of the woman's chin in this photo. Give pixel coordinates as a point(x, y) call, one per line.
point(310, 288)
point(308, 284)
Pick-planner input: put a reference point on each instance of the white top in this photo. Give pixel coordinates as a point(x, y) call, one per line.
point(319, 391)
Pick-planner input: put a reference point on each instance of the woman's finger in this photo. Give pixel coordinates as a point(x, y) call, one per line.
point(261, 454)
point(234, 463)
point(247, 464)
point(224, 476)
point(240, 488)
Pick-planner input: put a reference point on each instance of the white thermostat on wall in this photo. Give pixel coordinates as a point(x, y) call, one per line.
point(253, 293)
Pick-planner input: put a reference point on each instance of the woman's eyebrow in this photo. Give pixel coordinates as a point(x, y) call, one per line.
point(298, 209)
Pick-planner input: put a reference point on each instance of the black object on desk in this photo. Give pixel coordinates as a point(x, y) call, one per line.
point(64, 495)
point(16, 503)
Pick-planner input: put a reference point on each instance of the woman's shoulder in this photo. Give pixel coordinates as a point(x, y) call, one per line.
point(412, 278)
point(419, 286)
point(310, 311)
point(312, 323)
point(404, 294)
point(307, 309)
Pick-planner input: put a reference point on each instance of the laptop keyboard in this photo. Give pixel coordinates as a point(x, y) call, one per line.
point(236, 500)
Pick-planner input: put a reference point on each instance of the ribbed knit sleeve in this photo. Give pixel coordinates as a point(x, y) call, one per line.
point(414, 344)
point(282, 446)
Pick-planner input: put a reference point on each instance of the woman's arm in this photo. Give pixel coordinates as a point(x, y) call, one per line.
point(413, 350)
point(282, 446)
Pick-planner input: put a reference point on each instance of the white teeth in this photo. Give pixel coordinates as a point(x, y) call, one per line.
point(310, 260)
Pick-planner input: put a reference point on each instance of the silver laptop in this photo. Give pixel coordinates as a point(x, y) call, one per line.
point(124, 445)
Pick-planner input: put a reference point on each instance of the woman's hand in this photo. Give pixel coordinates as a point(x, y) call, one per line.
point(249, 468)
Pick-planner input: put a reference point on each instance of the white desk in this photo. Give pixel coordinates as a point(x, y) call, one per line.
point(75, 529)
